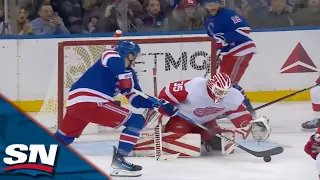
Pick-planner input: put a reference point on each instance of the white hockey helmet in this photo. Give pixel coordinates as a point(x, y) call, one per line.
point(219, 85)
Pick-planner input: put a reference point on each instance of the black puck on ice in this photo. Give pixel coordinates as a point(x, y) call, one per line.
point(267, 159)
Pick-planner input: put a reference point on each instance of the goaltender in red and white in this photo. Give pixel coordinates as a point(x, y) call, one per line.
point(204, 100)
point(313, 145)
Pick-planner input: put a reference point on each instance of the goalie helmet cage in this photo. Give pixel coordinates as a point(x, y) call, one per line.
point(179, 58)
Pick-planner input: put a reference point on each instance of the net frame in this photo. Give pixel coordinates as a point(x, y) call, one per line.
point(99, 42)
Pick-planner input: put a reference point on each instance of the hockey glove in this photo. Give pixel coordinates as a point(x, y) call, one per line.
point(260, 128)
point(166, 108)
point(126, 82)
point(313, 146)
point(212, 142)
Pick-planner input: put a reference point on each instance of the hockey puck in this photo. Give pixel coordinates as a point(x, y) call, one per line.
point(267, 159)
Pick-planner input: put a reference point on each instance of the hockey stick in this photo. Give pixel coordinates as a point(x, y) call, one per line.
point(158, 129)
point(158, 146)
point(269, 152)
point(284, 97)
point(117, 34)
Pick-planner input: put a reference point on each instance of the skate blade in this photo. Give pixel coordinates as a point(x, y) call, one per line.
point(168, 157)
point(125, 173)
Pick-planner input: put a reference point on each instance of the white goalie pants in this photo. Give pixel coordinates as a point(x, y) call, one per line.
point(315, 99)
point(318, 164)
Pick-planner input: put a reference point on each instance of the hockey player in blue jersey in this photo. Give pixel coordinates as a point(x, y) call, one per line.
point(231, 33)
point(91, 101)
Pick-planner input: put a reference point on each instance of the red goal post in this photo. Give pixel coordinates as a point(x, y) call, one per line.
point(173, 58)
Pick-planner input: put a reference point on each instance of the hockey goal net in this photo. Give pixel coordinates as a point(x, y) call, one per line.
point(162, 60)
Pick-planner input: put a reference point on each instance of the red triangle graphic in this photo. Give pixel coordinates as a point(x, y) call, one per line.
point(318, 80)
point(299, 54)
point(298, 69)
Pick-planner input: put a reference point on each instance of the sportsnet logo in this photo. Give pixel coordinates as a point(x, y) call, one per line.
point(25, 159)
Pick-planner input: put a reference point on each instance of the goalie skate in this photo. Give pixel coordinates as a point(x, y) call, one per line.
point(122, 168)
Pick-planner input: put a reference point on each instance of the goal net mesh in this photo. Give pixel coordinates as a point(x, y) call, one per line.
point(162, 60)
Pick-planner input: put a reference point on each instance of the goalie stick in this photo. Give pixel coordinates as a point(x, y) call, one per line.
point(158, 129)
point(284, 97)
point(269, 152)
point(158, 146)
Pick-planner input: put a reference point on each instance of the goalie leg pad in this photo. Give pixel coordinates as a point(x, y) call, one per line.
point(188, 145)
point(228, 147)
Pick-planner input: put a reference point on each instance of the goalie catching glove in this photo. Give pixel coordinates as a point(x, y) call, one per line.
point(260, 128)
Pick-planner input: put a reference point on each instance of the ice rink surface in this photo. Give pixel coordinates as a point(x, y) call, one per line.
point(292, 164)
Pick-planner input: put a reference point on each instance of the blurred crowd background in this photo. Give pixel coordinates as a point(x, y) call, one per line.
point(47, 17)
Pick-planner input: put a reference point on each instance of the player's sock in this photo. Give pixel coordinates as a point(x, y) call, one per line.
point(130, 134)
point(128, 139)
point(63, 139)
point(246, 101)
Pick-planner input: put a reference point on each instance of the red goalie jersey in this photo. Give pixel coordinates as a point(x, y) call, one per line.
point(197, 100)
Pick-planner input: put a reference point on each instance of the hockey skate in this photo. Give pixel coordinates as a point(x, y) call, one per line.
point(122, 168)
point(311, 125)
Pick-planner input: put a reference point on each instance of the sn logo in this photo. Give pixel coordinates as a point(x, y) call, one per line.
point(19, 158)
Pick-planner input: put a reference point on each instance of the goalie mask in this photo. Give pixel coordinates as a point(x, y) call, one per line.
point(219, 85)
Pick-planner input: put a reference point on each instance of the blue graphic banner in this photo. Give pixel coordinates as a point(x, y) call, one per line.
point(27, 151)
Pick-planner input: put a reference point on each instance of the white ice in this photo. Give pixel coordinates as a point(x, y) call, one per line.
point(292, 164)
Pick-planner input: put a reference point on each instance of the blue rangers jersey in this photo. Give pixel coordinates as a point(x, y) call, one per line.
point(231, 33)
point(100, 82)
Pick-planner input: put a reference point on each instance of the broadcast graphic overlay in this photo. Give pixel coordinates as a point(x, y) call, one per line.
point(27, 151)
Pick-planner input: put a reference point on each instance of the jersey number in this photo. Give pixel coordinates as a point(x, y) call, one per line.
point(236, 19)
point(178, 86)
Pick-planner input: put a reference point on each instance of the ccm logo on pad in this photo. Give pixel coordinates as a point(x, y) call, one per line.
point(22, 157)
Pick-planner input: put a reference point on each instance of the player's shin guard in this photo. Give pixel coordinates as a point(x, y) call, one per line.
point(130, 134)
point(63, 139)
point(246, 101)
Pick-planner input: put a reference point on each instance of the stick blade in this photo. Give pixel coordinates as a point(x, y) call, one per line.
point(269, 152)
